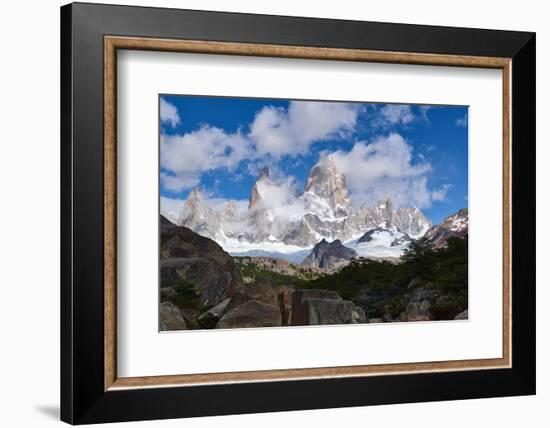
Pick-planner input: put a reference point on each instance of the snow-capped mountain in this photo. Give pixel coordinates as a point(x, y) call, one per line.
point(199, 217)
point(279, 220)
point(326, 192)
point(384, 241)
point(455, 225)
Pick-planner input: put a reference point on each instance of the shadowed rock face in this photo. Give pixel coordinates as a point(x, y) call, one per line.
point(462, 315)
point(189, 259)
point(171, 318)
point(252, 313)
point(321, 307)
point(418, 307)
point(259, 304)
point(255, 196)
point(329, 255)
point(210, 318)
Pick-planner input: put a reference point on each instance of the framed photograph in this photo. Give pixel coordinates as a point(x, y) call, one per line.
point(266, 213)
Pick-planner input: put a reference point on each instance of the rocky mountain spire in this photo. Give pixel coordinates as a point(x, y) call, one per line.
point(326, 186)
point(386, 209)
point(255, 196)
point(198, 216)
point(323, 210)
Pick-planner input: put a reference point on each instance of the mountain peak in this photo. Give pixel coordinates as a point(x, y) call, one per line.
point(455, 225)
point(329, 255)
point(264, 172)
point(326, 189)
point(195, 194)
point(255, 196)
point(197, 215)
point(385, 204)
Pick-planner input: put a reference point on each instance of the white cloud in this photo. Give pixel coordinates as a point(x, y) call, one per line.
point(462, 121)
point(393, 114)
point(275, 132)
point(219, 204)
point(171, 207)
point(169, 113)
point(441, 193)
point(384, 168)
point(205, 149)
point(281, 198)
point(208, 148)
point(278, 131)
point(424, 113)
point(177, 183)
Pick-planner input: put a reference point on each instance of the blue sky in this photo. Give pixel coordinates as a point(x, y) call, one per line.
point(414, 154)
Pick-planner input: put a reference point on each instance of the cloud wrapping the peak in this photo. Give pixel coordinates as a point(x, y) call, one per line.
point(375, 170)
point(278, 131)
point(385, 168)
point(281, 198)
point(275, 132)
point(169, 113)
point(172, 207)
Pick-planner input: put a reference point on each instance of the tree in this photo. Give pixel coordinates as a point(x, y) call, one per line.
point(417, 249)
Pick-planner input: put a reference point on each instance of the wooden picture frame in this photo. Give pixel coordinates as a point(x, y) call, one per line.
point(91, 390)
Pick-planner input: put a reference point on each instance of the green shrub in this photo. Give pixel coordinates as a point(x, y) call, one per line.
point(184, 296)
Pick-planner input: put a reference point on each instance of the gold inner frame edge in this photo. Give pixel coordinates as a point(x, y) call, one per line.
point(113, 43)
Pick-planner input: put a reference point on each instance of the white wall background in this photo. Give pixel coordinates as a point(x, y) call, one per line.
point(29, 214)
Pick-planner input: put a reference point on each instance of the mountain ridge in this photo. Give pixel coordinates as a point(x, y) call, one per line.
point(322, 211)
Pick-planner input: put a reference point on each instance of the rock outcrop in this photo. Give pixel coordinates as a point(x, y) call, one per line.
point(427, 304)
point(210, 318)
point(196, 264)
point(322, 307)
point(264, 304)
point(251, 313)
point(462, 315)
point(329, 255)
point(171, 318)
point(418, 307)
point(254, 305)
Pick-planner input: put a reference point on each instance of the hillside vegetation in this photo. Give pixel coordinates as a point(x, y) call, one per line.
point(394, 291)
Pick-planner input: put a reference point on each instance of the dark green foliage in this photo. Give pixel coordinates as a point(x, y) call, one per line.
point(183, 296)
point(383, 288)
point(419, 257)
